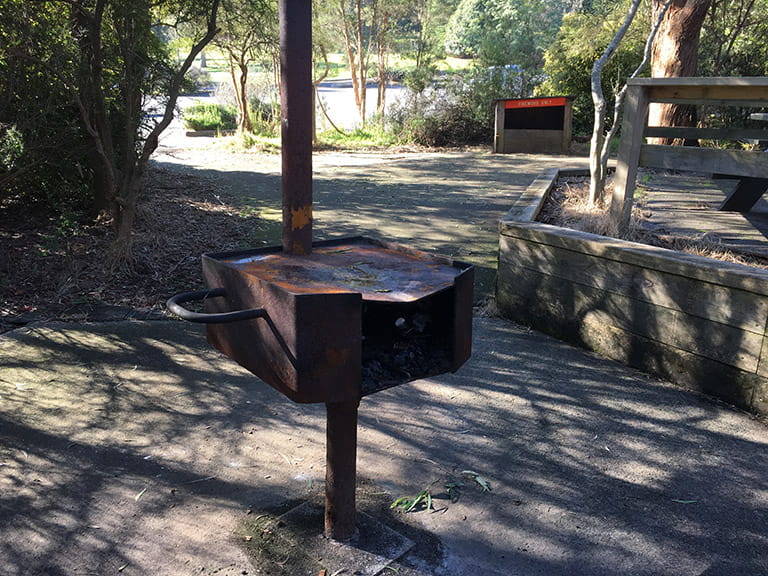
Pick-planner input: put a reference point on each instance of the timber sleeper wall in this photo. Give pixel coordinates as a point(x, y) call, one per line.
point(697, 322)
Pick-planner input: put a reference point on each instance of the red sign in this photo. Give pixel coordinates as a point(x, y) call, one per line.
point(534, 103)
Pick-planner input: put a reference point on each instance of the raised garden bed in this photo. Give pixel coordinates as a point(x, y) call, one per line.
point(692, 320)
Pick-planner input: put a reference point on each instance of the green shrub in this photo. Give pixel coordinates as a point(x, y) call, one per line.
point(210, 117)
point(457, 110)
point(11, 147)
point(265, 116)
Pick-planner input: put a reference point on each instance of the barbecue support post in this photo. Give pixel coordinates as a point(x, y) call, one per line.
point(296, 100)
point(340, 469)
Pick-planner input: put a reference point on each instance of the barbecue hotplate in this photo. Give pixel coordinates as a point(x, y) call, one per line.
point(376, 271)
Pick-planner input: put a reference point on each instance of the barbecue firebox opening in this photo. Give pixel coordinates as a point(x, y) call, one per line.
point(405, 341)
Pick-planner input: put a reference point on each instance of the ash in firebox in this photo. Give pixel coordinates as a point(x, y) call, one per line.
point(403, 343)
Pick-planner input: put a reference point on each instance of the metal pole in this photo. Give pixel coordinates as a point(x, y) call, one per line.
point(340, 469)
point(296, 123)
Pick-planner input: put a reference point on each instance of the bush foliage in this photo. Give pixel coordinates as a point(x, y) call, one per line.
point(456, 110)
point(205, 116)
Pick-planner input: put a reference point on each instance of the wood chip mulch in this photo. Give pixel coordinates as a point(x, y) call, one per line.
point(51, 269)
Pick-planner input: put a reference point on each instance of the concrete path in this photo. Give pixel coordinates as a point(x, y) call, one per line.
point(134, 448)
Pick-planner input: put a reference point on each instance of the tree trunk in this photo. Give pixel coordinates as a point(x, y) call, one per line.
point(120, 167)
point(124, 216)
point(244, 122)
point(362, 61)
point(382, 54)
point(675, 53)
point(596, 167)
point(350, 52)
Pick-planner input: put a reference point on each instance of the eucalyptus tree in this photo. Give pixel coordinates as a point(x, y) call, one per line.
point(249, 34)
point(601, 141)
point(675, 52)
point(103, 61)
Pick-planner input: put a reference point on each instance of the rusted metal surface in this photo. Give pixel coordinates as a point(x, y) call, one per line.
point(375, 270)
point(340, 469)
point(296, 123)
point(354, 317)
point(314, 352)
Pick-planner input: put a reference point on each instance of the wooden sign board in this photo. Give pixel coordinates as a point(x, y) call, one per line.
point(534, 125)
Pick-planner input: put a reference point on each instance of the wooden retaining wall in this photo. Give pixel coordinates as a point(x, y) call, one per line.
point(688, 319)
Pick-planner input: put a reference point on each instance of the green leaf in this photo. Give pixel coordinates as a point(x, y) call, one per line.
point(403, 501)
point(409, 504)
point(415, 502)
point(484, 484)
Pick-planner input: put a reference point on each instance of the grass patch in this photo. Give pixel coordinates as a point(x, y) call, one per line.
point(246, 142)
point(360, 138)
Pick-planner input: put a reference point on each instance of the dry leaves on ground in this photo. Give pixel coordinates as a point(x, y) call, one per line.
point(55, 269)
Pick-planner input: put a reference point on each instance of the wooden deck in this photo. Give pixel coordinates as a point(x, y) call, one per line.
point(685, 204)
point(642, 97)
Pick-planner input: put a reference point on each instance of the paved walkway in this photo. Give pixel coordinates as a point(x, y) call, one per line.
point(449, 203)
point(134, 448)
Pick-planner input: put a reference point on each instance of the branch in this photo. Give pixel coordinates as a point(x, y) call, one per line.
point(324, 54)
point(619, 102)
point(150, 145)
point(597, 67)
point(596, 168)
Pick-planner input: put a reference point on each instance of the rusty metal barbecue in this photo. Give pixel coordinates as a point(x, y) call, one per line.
point(330, 322)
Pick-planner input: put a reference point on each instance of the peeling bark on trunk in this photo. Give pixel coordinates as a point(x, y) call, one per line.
point(675, 53)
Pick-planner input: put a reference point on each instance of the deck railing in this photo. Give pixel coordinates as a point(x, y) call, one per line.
point(751, 166)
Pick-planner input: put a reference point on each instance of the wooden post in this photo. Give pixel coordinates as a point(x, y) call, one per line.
point(567, 126)
point(632, 131)
point(498, 136)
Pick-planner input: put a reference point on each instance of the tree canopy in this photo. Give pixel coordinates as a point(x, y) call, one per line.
point(84, 72)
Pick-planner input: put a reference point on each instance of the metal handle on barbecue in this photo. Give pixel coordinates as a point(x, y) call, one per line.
point(174, 304)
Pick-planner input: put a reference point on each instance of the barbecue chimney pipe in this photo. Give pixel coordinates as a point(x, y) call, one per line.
point(296, 100)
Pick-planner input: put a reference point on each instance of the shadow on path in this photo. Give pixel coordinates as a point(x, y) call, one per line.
point(136, 445)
